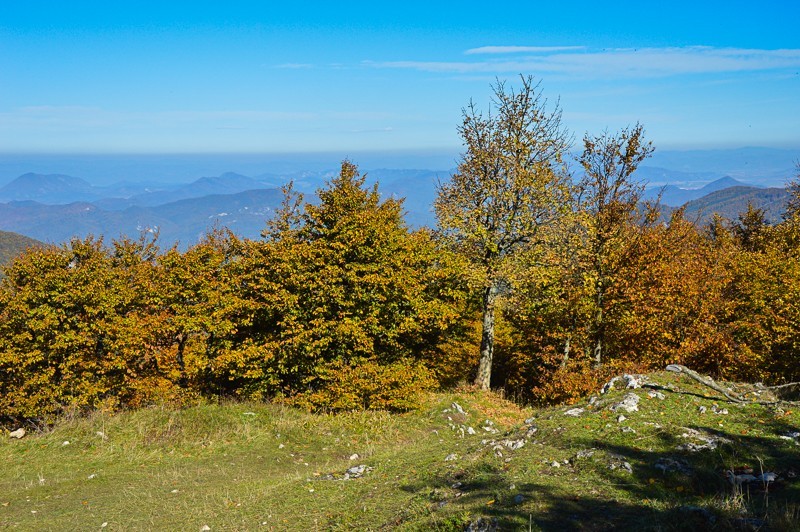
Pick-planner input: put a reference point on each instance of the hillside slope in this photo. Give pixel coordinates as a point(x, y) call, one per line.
point(732, 201)
point(657, 457)
point(12, 244)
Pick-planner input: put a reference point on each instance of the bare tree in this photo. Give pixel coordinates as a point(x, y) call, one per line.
point(511, 181)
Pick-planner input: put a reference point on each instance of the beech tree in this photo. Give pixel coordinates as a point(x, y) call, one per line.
point(611, 199)
point(511, 181)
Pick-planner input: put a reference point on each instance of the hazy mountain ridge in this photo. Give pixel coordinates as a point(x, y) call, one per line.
point(675, 196)
point(732, 201)
point(55, 207)
point(185, 221)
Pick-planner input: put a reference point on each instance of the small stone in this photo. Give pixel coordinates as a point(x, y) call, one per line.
point(702, 409)
point(174, 491)
point(470, 430)
point(514, 444)
point(672, 465)
point(519, 499)
point(607, 387)
point(628, 430)
point(205, 528)
point(65, 443)
point(356, 471)
point(101, 434)
point(627, 467)
point(575, 412)
point(555, 464)
point(656, 395)
point(450, 457)
point(93, 475)
point(354, 456)
point(104, 525)
point(621, 418)
point(585, 453)
point(18, 434)
point(281, 446)
point(631, 382)
point(457, 408)
point(483, 524)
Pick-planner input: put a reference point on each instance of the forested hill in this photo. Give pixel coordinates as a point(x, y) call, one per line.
point(733, 201)
point(12, 244)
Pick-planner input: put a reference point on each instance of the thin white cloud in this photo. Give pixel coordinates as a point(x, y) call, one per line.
point(295, 66)
point(520, 49)
point(617, 62)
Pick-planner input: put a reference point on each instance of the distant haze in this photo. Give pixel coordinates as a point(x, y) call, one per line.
point(105, 169)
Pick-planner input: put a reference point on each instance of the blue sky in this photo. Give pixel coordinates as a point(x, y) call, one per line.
point(97, 77)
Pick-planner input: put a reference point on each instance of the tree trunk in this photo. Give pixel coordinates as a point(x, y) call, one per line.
point(598, 343)
point(484, 377)
point(567, 347)
point(599, 326)
point(182, 380)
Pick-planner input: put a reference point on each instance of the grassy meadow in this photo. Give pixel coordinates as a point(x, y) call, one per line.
point(247, 466)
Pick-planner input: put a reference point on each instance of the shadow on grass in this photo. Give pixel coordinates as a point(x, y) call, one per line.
point(673, 490)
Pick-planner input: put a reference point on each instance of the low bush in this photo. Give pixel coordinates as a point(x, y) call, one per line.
point(365, 384)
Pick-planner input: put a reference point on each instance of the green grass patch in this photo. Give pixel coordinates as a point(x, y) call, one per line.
point(245, 466)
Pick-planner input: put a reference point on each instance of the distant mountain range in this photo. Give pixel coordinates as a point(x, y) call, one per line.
point(732, 201)
point(675, 196)
point(183, 221)
point(56, 207)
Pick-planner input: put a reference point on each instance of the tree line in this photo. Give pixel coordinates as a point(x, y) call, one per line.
point(538, 279)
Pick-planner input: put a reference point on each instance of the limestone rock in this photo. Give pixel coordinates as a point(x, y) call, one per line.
point(457, 408)
point(484, 524)
point(629, 403)
point(18, 434)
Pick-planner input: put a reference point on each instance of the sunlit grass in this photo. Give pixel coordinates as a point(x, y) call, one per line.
point(243, 466)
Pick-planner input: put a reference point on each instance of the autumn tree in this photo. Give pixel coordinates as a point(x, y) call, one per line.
point(511, 181)
point(793, 187)
point(611, 200)
point(343, 283)
point(73, 328)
